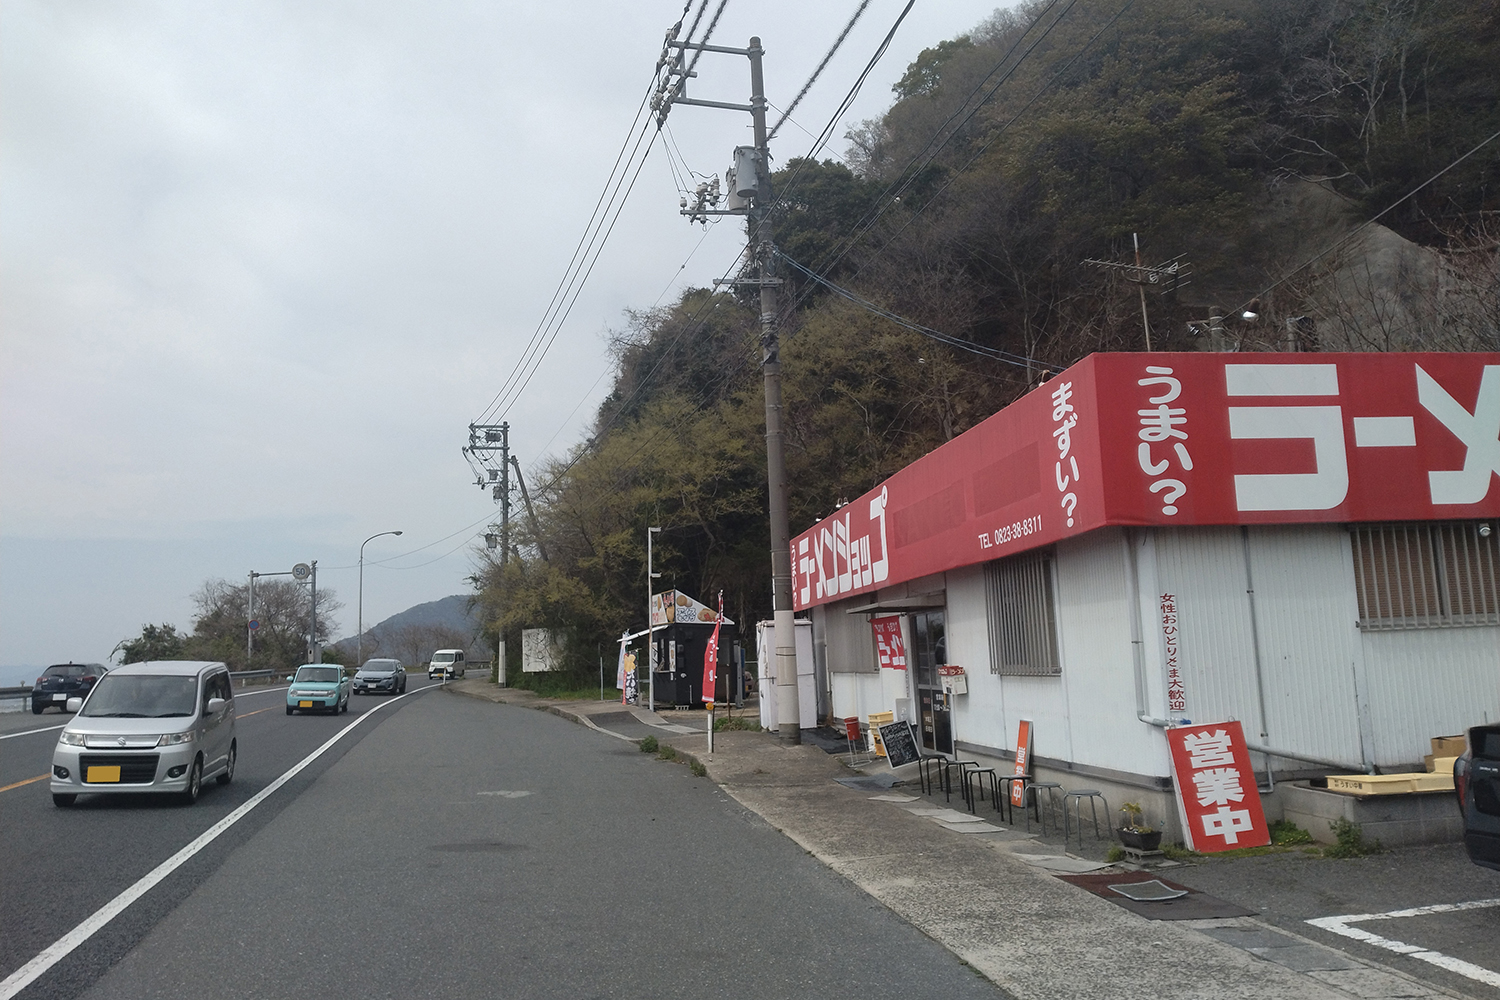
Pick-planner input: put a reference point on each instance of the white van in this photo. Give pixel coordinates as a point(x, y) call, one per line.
point(446, 662)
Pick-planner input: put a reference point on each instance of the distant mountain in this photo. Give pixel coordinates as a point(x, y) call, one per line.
point(413, 634)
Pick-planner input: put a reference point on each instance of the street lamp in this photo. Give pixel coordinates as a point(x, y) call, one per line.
point(359, 657)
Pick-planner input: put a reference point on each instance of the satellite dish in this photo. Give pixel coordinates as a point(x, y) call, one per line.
point(301, 571)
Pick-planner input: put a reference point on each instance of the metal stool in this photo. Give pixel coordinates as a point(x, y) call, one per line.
point(948, 766)
point(969, 787)
point(1007, 786)
point(925, 762)
point(1051, 788)
point(1076, 797)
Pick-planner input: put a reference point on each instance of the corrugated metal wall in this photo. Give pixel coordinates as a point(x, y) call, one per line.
point(1087, 714)
point(1430, 682)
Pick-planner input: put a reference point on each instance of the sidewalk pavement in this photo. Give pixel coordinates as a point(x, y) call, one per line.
point(989, 896)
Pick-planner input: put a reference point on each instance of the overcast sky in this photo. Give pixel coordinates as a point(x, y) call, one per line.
point(261, 264)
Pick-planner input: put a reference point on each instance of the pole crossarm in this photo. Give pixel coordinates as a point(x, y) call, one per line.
point(728, 50)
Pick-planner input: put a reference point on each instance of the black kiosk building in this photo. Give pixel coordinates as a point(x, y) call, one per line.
point(681, 629)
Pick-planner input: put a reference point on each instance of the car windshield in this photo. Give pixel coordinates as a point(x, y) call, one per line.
point(142, 697)
point(67, 670)
point(443, 658)
point(379, 668)
point(318, 675)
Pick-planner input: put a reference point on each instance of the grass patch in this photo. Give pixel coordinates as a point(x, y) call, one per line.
point(1285, 833)
point(667, 752)
point(647, 745)
point(697, 768)
point(1115, 853)
point(1351, 842)
point(739, 722)
point(1178, 852)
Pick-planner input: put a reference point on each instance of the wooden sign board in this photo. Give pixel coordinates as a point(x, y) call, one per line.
point(900, 745)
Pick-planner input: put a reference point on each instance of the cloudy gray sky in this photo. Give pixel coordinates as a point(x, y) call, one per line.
point(261, 264)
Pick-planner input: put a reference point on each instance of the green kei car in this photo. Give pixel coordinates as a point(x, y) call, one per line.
point(318, 687)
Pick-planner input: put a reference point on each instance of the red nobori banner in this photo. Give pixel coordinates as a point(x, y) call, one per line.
point(1216, 788)
point(1172, 439)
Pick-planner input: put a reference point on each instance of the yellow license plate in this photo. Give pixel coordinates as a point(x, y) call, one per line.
point(304, 704)
point(98, 774)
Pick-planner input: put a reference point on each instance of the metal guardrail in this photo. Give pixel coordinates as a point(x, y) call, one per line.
point(239, 675)
point(15, 692)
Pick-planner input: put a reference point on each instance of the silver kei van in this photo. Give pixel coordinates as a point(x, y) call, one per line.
point(162, 726)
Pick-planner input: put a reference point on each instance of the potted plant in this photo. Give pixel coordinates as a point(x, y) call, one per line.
point(1134, 832)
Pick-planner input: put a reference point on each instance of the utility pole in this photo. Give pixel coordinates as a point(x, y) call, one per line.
point(250, 623)
point(314, 649)
point(650, 626)
point(673, 90)
point(1167, 276)
point(485, 440)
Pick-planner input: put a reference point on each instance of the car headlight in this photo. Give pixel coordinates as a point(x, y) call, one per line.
point(71, 739)
point(172, 739)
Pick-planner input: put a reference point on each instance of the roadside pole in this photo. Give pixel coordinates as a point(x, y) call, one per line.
point(763, 251)
point(650, 627)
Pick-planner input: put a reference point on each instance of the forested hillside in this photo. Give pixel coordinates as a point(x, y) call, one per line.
point(1250, 139)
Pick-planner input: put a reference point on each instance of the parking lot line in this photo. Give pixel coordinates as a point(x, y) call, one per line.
point(1340, 925)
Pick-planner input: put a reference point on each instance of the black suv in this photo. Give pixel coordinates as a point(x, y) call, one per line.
point(1476, 778)
point(62, 681)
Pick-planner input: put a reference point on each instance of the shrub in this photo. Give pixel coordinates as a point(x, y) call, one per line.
point(647, 745)
point(1351, 842)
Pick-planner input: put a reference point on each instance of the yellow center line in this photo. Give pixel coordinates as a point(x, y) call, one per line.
point(28, 781)
point(256, 712)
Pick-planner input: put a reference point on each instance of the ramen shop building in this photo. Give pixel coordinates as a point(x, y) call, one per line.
point(1309, 544)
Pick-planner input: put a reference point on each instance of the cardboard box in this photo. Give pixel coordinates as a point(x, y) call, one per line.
point(1449, 746)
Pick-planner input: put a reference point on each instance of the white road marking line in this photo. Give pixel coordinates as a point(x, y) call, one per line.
point(48, 729)
point(11, 736)
point(1340, 925)
point(63, 946)
point(506, 795)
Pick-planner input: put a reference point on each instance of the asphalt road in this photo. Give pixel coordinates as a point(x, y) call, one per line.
point(1288, 890)
point(448, 848)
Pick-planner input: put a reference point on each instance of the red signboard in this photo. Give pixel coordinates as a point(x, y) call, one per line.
point(1216, 790)
point(888, 645)
point(1177, 439)
point(1023, 764)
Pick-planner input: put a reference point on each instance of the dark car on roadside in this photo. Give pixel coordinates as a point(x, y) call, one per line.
point(380, 676)
point(1476, 778)
point(62, 681)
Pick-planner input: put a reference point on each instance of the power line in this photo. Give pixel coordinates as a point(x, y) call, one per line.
point(853, 19)
point(573, 261)
point(1366, 224)
point(908, 176)
point(1019, 360)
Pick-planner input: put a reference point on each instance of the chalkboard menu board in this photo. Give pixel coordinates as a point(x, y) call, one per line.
point(900, 745)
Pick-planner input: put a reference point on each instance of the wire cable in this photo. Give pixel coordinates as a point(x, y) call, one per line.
point(1364, 225)
point(853, 19)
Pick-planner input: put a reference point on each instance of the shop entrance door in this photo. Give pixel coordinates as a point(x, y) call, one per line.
point(930, 650)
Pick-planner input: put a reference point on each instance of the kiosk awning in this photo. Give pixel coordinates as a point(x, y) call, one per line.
point(917, 602)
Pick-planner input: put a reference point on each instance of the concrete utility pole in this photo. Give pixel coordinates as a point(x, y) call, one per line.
point(484, 441)
point(650, 626)
point(763, 251)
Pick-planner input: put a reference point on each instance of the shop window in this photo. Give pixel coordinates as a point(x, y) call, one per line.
point(1426, 574)
point(1022, 611)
